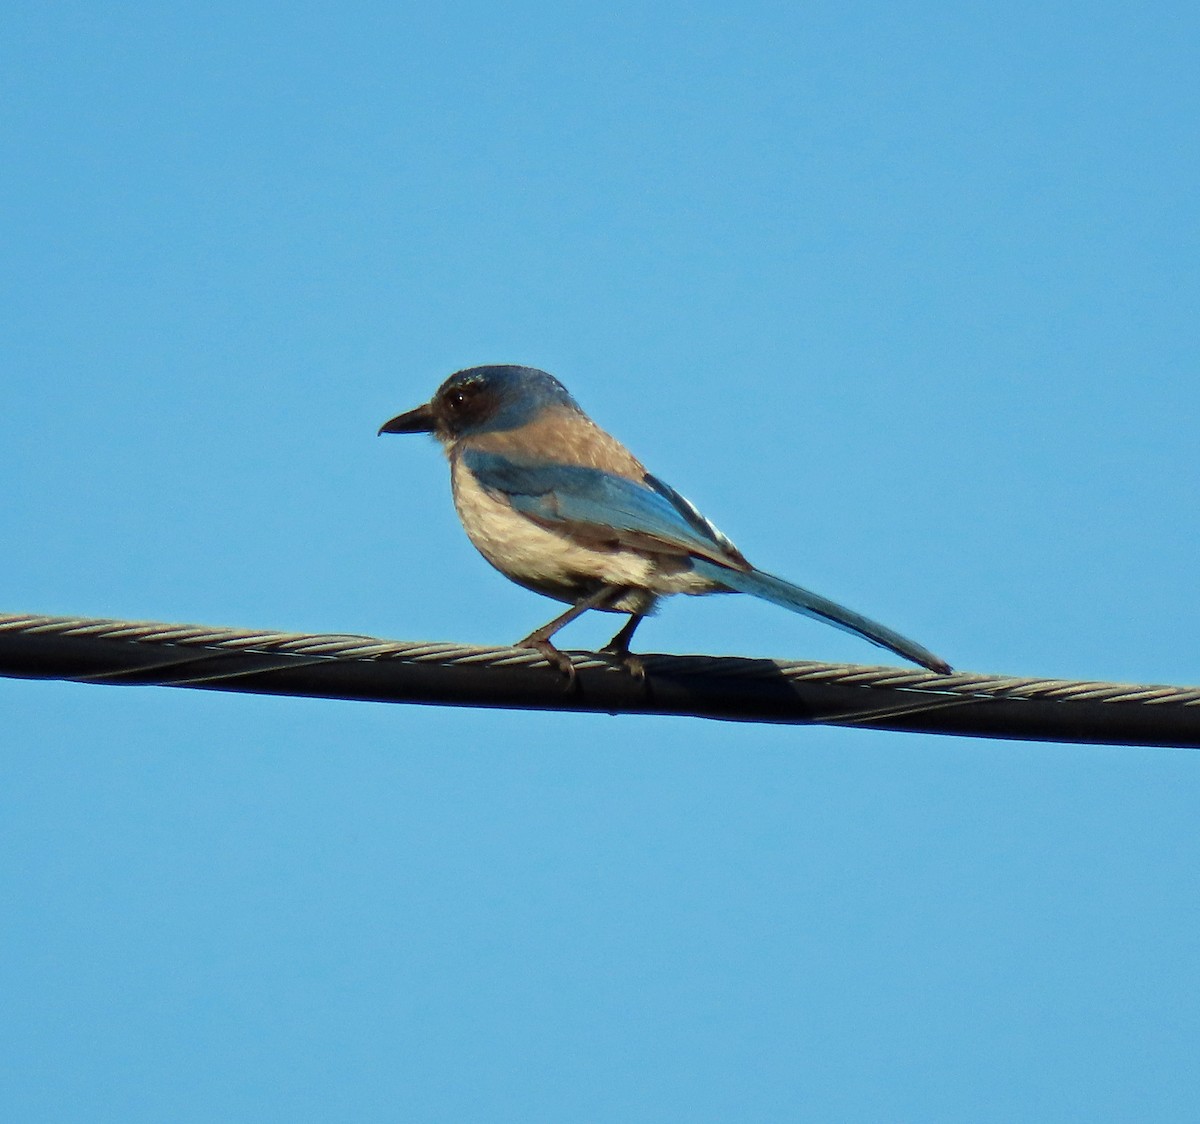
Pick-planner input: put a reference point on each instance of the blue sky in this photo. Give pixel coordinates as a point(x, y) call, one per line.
point(904, 298)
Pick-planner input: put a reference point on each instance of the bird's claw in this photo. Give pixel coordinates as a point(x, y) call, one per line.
point(635, 665)
point(555, 658)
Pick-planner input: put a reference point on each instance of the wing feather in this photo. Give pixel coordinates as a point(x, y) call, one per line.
point(598, 506)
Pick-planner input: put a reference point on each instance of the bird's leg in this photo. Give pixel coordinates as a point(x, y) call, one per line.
point(539, 639)
point(619, 646)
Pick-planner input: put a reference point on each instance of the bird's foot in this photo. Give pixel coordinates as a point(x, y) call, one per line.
point(552, 656)
point(631, 663)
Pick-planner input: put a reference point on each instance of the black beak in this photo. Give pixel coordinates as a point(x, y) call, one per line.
point(420, 420)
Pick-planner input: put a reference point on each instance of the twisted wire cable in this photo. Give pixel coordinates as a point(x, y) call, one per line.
point(89, 650)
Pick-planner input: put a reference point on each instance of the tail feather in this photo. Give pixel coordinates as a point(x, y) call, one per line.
point(788, 596)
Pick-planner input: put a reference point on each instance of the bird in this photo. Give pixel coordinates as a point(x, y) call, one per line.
point(561, 507)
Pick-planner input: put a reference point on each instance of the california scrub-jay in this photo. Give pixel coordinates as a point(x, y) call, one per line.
point(560, 507)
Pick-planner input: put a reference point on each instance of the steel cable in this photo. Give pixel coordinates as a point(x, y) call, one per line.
point(90, 650)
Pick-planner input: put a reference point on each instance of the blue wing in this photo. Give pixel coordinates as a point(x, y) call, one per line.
point(592, 503)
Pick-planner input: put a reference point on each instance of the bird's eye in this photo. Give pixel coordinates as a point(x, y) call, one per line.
point(461, 400)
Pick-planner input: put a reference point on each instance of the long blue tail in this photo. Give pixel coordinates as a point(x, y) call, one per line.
point(788, 596)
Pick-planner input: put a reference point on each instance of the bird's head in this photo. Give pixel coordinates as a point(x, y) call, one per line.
point(483, 400)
